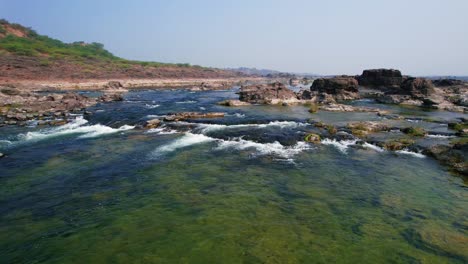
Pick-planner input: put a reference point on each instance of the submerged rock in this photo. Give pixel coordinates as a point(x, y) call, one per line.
point(192, 115)
point(453, 156)
point(233, 103)
point(153, 123)
point(366, 127)
point(312, 138)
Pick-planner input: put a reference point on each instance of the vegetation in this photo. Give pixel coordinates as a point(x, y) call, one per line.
point(398, 144)
point(33, 44)
point(313, 108)
point(312, 138)
point(414, 131)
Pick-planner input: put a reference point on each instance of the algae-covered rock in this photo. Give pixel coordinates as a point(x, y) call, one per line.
point(414, 131)
point(312, 138)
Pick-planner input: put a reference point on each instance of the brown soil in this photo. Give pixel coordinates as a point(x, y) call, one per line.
point(21, 68)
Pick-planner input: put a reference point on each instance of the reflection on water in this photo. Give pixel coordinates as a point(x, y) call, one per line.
point(244, 188)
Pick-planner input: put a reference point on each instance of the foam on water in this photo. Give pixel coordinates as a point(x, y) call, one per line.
point(439, 136)
point(373, 147)
point(341, 145)
point(187, 140)
point(151, 106)
point(186, 102)
point(162, 131)
point(74, 127)
point(281, 124)
point(408, 152)
point(274, 148)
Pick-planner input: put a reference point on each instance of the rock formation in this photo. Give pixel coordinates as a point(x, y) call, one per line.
point(341, 88)
point(380, 78)
point(274, 93)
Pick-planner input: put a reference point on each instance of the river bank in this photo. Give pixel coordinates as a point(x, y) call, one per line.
point(129, 83)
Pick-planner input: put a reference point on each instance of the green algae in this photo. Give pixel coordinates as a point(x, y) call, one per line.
point(235, 209)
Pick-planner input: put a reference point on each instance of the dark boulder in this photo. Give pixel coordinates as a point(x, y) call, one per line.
point(380, 78)
point(341, 88)
point(417, 87)
point(447, 82)
point(266, 93)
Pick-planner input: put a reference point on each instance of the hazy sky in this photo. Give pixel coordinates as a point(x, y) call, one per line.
point(420, 37)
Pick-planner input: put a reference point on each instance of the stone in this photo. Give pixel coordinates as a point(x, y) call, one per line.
point(274, 93)
point(233, 103)
point(153, 123)
point(379, 78)
point(341, 88)
point(192, 115)
point(417, 87)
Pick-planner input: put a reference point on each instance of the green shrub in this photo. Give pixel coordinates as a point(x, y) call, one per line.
point(414, 131)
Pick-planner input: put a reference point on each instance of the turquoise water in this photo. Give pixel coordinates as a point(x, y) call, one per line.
point(241, 189)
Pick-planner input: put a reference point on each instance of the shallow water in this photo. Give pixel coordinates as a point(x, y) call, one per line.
point(244, 188)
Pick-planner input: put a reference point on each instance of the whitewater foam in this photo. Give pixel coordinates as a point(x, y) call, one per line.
point(274, 148)
point(373, 147)
point(74, 127)
point(151, 106)
point(439, 136)
point(281, 124)
point(408, 152)
point(188, 139)
point(186, 102)
point(341, 145)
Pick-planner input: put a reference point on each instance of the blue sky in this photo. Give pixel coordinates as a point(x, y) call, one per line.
point(327, 37)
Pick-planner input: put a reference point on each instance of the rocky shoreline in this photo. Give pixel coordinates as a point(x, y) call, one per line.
point(129, 83)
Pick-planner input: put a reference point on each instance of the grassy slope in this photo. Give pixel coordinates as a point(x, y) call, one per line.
point(28, 51)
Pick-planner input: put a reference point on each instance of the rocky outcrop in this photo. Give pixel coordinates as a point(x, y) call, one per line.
point(447, 82)
point(274, 93)
point(340, 88)
point(233, 103)
point(453, 156)
point(153, 123)
point(17, 107)
point(192, 115)
point(294, 82)
point(417, 87)
point(380, 78)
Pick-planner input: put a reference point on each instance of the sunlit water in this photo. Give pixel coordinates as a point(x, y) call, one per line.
point(244, 188)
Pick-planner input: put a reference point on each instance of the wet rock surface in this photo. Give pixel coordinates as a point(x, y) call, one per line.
point(19, 106)
point(273, 93)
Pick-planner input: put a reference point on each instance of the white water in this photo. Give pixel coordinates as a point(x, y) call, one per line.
point(162, 131)
point(439, 136)
point(281, 124)
point(407, 152)
point(75, 127)
point(186, 102)
point(274, 148)
point(373, 147)
point(151, 106)
point(187, 140)
point(341, 145)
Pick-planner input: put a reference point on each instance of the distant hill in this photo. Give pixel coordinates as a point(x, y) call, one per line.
point(25, 54)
